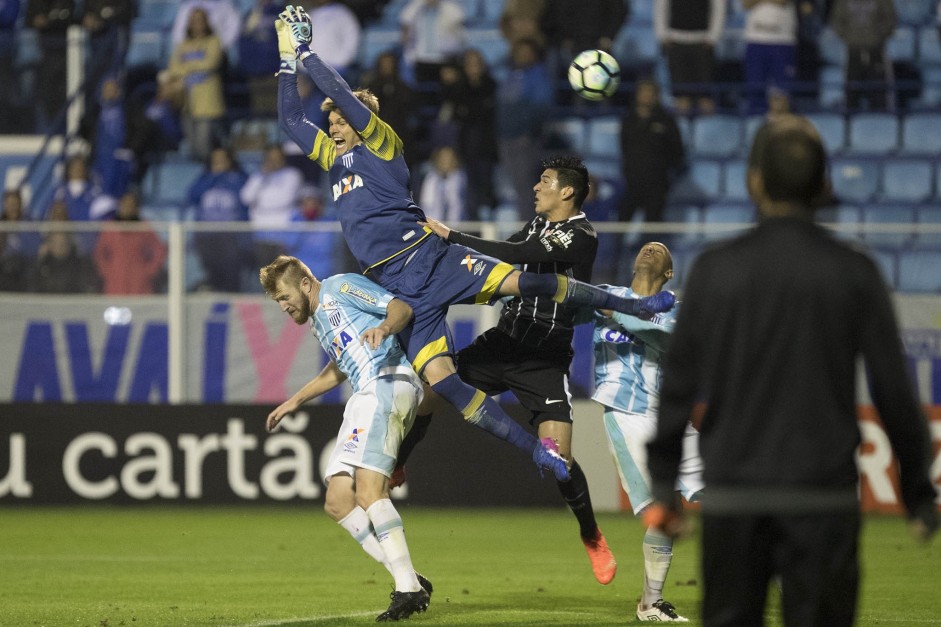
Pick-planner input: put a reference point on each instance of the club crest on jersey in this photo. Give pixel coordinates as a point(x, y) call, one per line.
point(346, 185)
point(334, 319)
point(356, 292)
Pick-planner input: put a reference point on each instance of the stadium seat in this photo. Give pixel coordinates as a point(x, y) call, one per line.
point(888, 265)
point(906, 181)
point(901, 45)
point(717, 136)
point(168, 183)
point(161, 12)
point(148, 46)
point(492, 45)
point(635, 46)
point(28, 52)
point(490, 11)
point(928, 217)
point(921, 134)
point(716, 215)
point(733, 181)
point(832, 48)
point(929, 48)
point(832, 82)
point(752, 124)
point(641, 11)
point(873, 134)
point(377, 39)
point(832, 129)
point(854, 180)
point(700, 184)
point(688, 215)
point(571, 130)
point(885, 214)
point(918, 271)
point(844, 220)
point(930, 97)
point(603, 168)
point(913, 12)
point(604, 137)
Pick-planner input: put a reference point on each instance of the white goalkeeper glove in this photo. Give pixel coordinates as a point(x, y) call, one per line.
point(299, 27)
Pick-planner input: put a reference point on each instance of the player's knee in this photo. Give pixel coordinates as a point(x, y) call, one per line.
point(334, 509)
point(365, 498)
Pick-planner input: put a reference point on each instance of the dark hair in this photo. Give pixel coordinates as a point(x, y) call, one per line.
point(572, 173)
point(793, 166)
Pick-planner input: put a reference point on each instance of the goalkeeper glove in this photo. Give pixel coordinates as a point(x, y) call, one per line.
point(299, 27)
point(285, 49)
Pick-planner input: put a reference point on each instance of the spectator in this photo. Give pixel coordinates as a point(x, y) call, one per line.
point(108, 25)
point(129, 262)
point(335, 33)
point(106, 128)
point(10, 94)
point(51, 19)
point(61, 268)
point(445, 129)
point(865, 26)
point(156, 125)
point(812, 17)
point(216, 197)
point(17, 248)
point(223, 17)
point(522, 19)
point(576, 25)
point(258, 56)
point(770, 49)
point(524, 99)
point(397, 97)
point(478, 136)
point(197, 63)
point(315, 248)
point(83, 197)
point(271, 195)
point(432, 31)
point(688, 32)
point(443, 189)
point(652, 153)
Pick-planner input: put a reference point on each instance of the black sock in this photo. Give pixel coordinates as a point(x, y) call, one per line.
point(415, 435)
point(575, 493)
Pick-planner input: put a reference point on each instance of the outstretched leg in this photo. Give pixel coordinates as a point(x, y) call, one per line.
point(567, 291)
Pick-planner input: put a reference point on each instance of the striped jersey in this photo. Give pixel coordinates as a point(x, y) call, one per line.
point(628, 353)
point(370, 183)
point(349, 305)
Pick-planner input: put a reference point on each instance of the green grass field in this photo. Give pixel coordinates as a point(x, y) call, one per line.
point(110, 567)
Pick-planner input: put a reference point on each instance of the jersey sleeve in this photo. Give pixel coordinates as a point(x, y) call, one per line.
point(654, 333)
point(565, 245)
point(316, 144)
point(378, 136)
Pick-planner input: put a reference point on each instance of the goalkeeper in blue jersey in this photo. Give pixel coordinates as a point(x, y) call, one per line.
point(370, 183)
point(628, 352)
point(355, 321)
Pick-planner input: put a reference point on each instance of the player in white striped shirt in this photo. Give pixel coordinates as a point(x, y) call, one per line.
point(627, 383)
point(355, 322)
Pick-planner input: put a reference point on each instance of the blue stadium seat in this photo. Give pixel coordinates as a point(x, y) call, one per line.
point(888, 265)
point(832, 48)
point(717, 136)
point(491, 44)
point(873, 134)
point(603, 137)
point(161, 12)
point(887, 214)
point(929, 48)
point(169, 183)
point(490, 11)
point(686, 130)
point(843, 219)
point(635, 46)
point(27, 48)
point(927, 217)
point(918, 271)
point(149, 45)
point(832, 129)
point(733, 181)
point(572, 131)
point(907, 181)
point(901, 45)
point(377, 39)
point(752, 124)
point(854, 180)
point(689, 215)
point(930, 97)
point(700, 184)
point(726, 214)
point(605, 168)
point(921, 134)
point(832, 92)
point(913, 12)
point(641, 11)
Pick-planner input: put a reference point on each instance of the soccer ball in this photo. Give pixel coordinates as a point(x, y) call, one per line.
point(594, 74)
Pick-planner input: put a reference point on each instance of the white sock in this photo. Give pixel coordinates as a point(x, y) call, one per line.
point(357, 523)
point(391, 534)
point(658, 553)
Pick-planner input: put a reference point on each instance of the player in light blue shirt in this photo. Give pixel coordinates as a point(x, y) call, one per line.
point(628, 352)
point(355, 322)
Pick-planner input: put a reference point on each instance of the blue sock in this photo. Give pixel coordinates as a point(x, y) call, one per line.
point(482, 411)
point(568, 291)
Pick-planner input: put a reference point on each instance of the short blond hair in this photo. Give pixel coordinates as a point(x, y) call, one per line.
point(363, 95)
point(290, 269)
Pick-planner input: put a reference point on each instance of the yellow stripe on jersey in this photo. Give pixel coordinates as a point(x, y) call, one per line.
point(381, 139)
point(409, 247)
point(429, 352)
point(324, 151)
point(492, 284)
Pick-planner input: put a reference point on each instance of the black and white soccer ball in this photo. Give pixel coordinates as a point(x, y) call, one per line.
point(594, 74)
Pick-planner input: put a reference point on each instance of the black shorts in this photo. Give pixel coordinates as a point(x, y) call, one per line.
point(495, 363)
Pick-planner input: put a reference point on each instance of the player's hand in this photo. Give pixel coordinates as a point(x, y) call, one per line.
point(373, 337)
point(438, 228)
point(298, 22)
point(285, 48)
point(280, 412)
point(668, 520)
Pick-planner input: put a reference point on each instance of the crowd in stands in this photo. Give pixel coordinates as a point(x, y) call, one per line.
point(477, 116)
